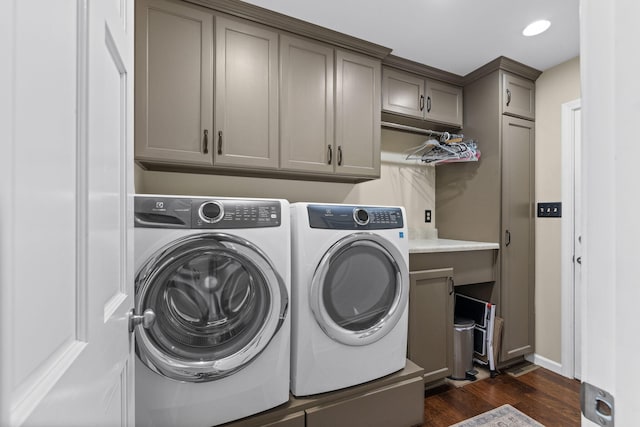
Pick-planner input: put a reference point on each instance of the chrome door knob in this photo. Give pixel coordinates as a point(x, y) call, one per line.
point(146, 319)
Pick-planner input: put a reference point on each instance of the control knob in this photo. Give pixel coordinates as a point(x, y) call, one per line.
point(211, 212)
point(361, 216)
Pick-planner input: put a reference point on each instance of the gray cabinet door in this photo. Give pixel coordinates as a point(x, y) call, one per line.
point(246, 95)
point(306, 106)
point(402, 93)
point(518, 96)
point(414, 96)
point(517, 247)
point(430, 341)
point(357, 115)
point(443, 103)
point(173, 83)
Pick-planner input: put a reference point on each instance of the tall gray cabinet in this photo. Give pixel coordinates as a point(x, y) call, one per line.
point(493, 200)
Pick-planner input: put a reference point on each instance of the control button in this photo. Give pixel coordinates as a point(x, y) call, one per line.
point(361, 216)
point(211, 212)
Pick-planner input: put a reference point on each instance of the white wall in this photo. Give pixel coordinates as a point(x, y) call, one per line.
point(554, 87)
point(411, 186)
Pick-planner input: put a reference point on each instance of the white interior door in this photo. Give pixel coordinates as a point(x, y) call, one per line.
point(610, 111)
point(577, 242)
point(65, 213)
point(571, 238)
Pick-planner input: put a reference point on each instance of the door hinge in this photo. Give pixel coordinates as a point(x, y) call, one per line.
point(597, 405)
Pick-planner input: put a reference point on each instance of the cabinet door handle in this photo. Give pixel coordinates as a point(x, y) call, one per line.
point(508, 97)
point(507, 237)
point(339, 155)
point(451, 285)
point(421, 102)
point(205, 142)
point(329, 154)
point(219, 142)
point(428, 104)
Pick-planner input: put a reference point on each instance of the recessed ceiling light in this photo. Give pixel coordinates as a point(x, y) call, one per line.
point(536, 28)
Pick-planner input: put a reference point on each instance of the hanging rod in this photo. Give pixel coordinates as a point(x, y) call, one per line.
point(419, 130)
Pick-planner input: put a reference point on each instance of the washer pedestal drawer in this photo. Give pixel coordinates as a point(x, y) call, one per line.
point(396, 399)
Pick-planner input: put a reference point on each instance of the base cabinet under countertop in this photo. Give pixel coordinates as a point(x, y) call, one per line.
point(435, 277)
point(430, 340)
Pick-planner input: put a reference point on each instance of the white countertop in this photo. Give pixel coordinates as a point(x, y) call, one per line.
point(448, 245)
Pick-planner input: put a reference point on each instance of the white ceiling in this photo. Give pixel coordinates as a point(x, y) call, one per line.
point(453, 35)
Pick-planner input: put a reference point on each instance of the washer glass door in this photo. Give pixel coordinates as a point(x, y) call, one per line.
point(218, 302)
point(360, 289)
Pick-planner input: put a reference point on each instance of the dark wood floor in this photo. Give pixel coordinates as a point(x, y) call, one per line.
point(549, 398)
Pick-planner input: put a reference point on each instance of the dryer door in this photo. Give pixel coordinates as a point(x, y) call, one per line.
point(360, 289)
point(218, 302)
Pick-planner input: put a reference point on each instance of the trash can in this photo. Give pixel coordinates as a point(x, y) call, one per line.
point(463, 349)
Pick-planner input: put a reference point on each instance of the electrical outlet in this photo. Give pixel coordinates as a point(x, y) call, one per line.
point(427, 215)
point(550, 210)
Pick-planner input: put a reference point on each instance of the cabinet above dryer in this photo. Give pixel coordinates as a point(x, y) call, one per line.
point(329, 110)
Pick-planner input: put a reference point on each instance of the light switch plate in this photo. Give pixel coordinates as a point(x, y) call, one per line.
point(549, 209)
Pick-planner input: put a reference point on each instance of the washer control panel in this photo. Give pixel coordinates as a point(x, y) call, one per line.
point(229, 213)
point(342, 217)
point(202, 212)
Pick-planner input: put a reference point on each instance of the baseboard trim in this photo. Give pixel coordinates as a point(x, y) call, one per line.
point(545, 363)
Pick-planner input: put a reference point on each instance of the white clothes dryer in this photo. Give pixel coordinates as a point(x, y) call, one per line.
point(350, 288)
point(213, 282)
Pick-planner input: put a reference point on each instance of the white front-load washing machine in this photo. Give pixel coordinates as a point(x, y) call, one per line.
point(213, 287)
point(350, 288)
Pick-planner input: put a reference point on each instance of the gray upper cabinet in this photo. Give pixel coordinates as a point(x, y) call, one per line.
point(173, 83)
point(246, 95)
point(306, 105)
point(330, 110)
point(443, 103)
point(357, 137)
point(232, 89)
point(418, 97)
point(402, 93)
point(518, 96)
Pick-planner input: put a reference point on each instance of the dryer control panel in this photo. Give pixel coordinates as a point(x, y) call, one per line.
point(206, 213)
point(342, 217)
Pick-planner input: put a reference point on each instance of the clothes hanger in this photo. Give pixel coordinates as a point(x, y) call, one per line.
point(430, 145)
